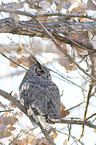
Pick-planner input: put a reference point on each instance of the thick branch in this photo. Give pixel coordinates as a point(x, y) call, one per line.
point(66, 24)
point(62, 49)
point(22, 108)
point(53, 39)
point(32, 29)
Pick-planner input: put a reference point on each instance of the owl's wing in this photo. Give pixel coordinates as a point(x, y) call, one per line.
point(53, 102)
point(34, 96)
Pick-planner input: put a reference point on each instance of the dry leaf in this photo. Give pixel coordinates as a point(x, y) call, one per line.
point(95, 130)
point(13, 135)
point(66, 63)
point(62, 106)
point(1, 123)
point(53, 136)
point(2, 127)
point(8, 120)
point(64, 112)
point(18, 142)
point(27, 61)
point(4, 131)
point(15, 95)
point(13, 120)
point(44, 140)
point(11, 128)
point(6, 114)
point(10, 140)
point(14, 59)
point(20, 114)
point(79, 9)
point(65, 142)
point(20, 51)
point(35, 141)
point(11, 105)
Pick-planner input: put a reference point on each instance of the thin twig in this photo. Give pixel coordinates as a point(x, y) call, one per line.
point(19, 135)
point(75, 106)
point(91, 116)
point(86, 108)
point(62, 76)
point(12, 60)
point(7, 110)
point(87, 103)
point(89, 93)
point(77, 140)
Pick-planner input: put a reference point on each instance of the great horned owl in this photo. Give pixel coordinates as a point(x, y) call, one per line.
point(40, 94)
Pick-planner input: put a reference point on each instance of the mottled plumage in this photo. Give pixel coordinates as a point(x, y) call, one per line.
point(40, 94)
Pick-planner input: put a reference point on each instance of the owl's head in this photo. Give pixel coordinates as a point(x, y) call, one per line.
point(39, 70)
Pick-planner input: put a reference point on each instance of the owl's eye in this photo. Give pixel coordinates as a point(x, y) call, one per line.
point(39, 71)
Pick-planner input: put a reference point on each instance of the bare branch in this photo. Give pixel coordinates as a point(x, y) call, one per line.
point(48, 14)
point(65, 15)
point(78, 122)
point(7, 110)
point(58, 25)
point(23, 109)
point(91, 86)
point(51, 36)
point(91, 116)
point(62, 49)
point(32, 29)
point(12, 61)
point(77, 140)
point(75, 106)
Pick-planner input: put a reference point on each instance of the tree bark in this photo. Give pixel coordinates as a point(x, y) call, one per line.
point(30, 28)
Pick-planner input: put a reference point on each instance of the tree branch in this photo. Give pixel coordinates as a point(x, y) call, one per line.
point(65, 15)
point(62, 49)
point(12, 60)
point(91, 86)
point(23, 109)
point(32, 29)
point(50, 36)
point(59, 27)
